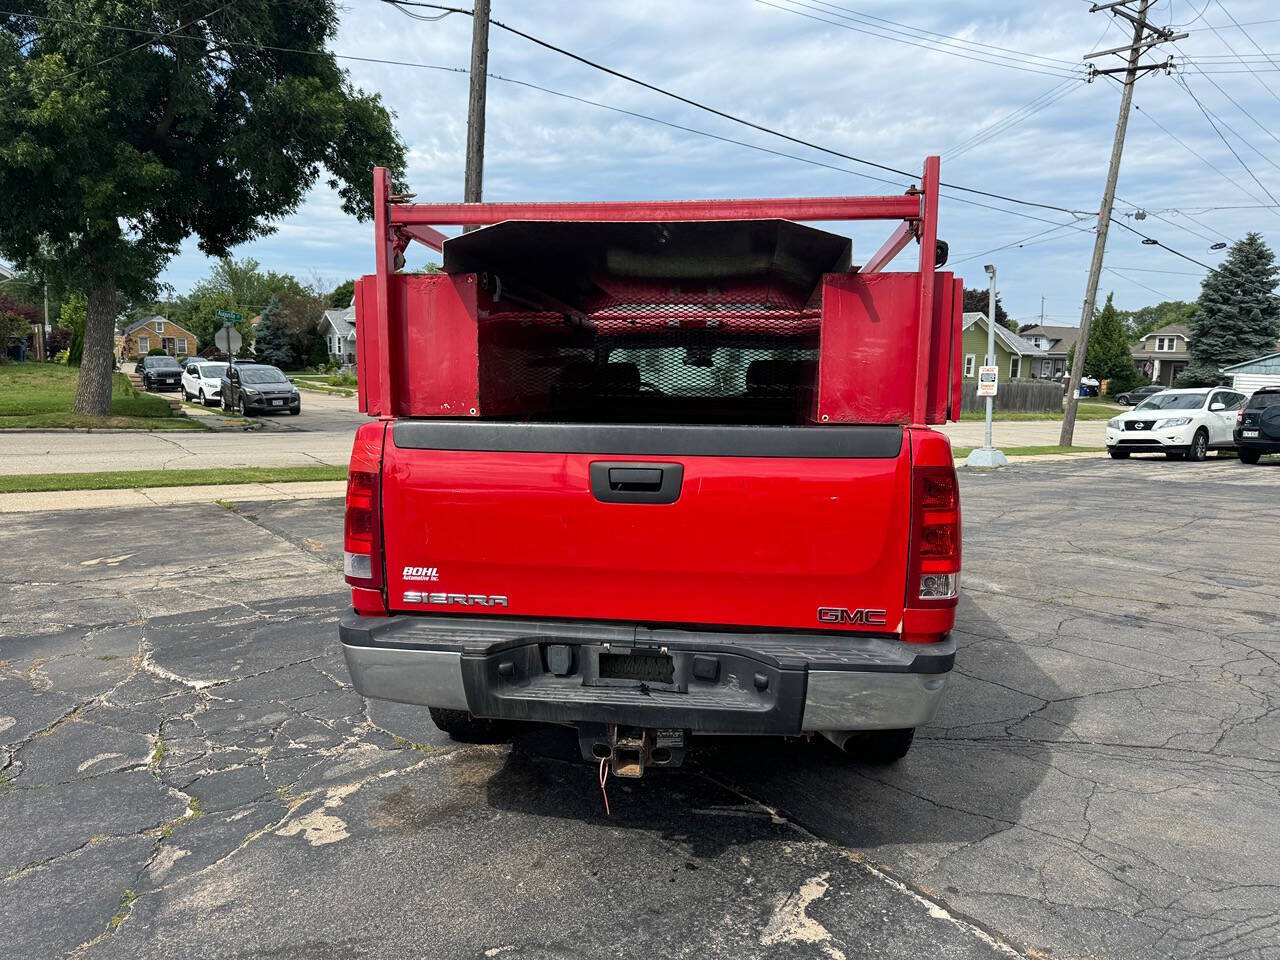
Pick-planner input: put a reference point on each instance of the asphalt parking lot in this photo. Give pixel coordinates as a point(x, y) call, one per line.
point(186, 771)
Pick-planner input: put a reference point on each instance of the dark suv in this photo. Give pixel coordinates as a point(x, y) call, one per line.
point(160, 373)
point(258, 388)
point(1132, 398)
point(1258, 425)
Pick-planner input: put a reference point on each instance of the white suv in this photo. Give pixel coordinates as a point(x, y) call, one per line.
point(202, 380)
point(1177, 423)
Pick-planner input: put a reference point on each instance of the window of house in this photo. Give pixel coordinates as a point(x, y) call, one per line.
point(182, 346)
point(1044, 368)
point(969, 360)
point(1015, 367)
point(159, 326)
point(144, 344)
point(1166, 344)
point(1058, 367)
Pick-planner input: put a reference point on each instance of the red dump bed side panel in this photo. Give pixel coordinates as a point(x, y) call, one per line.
point(869, 335)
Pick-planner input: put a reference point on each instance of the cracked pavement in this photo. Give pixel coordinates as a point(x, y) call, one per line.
point(185, 770)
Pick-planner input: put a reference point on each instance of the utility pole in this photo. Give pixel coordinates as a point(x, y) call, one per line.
point(1042, 309)
point(473, 183)
point(1145, 36)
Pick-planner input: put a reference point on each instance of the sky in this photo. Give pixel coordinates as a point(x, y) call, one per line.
point(879, 89)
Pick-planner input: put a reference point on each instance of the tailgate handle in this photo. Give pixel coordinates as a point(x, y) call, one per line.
point(636, 482)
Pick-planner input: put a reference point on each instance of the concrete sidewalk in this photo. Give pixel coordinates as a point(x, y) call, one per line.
point(167, 496)
point(1025, 433)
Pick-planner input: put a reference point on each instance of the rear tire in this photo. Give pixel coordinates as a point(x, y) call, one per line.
point(1119, 454)
point(880, 747)
point(1249, 456)
point(1123, 400)
point(465, 727)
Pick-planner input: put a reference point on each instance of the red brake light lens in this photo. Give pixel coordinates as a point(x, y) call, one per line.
point(935, 538)
point(362, 559)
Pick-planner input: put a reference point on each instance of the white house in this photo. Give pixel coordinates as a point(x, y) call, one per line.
point(339, 330)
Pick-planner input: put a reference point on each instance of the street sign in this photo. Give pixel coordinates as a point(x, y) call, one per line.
point(988, 381)
point(230, 316)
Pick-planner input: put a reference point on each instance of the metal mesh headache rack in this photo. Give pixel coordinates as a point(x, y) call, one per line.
point(685, 311)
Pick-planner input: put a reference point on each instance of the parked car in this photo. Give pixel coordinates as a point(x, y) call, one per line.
point(1177, 423)
point(1133, 397)
point(1258, 425)
point(202, 380)
point(159, 373)
point(258, 388)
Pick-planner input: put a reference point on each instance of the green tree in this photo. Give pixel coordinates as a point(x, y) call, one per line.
point(1138, 323)
point(72, 319)
point(302, 315)
point(124, 142)
point(1237, 314)
point(1108, 355)
point(341, 295)
point(273, 344)
point(975, 301)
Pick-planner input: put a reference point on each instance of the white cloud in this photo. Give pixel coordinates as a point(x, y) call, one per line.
point(866, 96)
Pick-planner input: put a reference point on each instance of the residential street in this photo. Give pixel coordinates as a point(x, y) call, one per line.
point(322, 434)
point(187, 771)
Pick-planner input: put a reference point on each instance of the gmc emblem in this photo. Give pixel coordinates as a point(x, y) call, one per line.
point(862, 616)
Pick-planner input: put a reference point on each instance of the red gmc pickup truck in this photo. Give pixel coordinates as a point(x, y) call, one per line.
point(654, 470)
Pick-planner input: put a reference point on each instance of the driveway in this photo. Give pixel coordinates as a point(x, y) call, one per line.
point(187, 771)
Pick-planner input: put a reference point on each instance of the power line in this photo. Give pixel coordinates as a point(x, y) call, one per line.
point(1216, 169)
point(145, 43)
point(1172, 273)
point(1000, 61)
point(1006, 123)
point(1264, 83)
point(1025, 241)
point(543, 89)
point(236, 43)
point(1248, 170)
point(946, 36)
point(1139, 283)
point(748, 123)
point(1247, 23)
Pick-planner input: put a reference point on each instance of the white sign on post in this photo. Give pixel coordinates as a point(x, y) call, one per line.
point(988, 381)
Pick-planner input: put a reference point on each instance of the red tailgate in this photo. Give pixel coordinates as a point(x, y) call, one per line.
point(764, 540)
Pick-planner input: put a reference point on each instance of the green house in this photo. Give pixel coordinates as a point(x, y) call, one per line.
point(1013, 354)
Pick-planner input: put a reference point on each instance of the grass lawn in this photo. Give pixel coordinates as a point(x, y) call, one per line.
point(40, 395)
point(131, 479)
point(961, 452)
point(1085, 410)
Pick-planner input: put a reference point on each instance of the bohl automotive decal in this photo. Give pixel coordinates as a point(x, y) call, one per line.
point(420, 573)
point(860, 617)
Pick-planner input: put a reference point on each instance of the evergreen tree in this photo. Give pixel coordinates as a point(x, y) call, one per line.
point(274, 344)
point(1237, 314)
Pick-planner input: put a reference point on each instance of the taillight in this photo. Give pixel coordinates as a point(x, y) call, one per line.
point(934, 578)
point(361, 542)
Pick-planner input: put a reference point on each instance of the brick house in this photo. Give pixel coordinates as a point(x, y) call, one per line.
point(143, 336)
